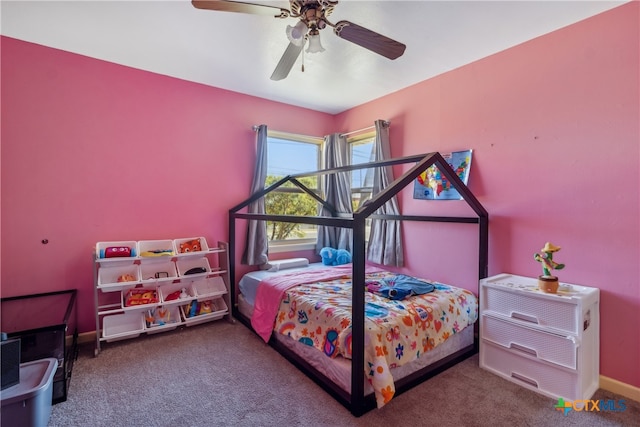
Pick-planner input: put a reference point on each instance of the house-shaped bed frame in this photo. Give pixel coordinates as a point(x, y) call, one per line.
point(357, 402)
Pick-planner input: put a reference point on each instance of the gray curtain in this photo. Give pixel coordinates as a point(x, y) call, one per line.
point(337, 190)
point(385, 238)
point(257, 244)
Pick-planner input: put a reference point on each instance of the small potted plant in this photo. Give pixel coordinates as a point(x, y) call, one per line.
point(547, 282)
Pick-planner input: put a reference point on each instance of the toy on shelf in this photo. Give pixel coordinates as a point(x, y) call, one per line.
point(192, 309)
point(547, 282)
point(196, 308)
point(126, 278)
point(190, 246)
point(158, 316)
point(195, 270)
point(157, 252)
point(140, 296)
point(180, 294)
point(158, 275)
point(205, 307)
point(117, 252)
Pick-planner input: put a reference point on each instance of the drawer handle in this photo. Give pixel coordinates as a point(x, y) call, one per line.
point(523, 349)
point(524, 379)
point(525, 317)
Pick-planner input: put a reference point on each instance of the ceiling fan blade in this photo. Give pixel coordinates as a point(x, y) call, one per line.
point(368, 39)
point(286, 62)
point(236, 6)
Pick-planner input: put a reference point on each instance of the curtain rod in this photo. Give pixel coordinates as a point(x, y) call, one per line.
point(278, 134)
point(386, 123)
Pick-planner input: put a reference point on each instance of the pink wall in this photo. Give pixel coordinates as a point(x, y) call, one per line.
point(554, 126)
point(93, 151)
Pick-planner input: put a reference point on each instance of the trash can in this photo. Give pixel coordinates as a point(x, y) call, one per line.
point(28, 403)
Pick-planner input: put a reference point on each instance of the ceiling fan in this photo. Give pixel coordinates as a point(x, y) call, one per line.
point(313, 18)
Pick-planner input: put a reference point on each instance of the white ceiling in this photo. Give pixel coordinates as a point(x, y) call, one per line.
point(239, 51)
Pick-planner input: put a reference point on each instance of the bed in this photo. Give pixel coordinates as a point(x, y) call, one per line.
point(360, 372)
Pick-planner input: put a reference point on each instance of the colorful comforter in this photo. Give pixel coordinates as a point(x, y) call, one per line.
point(318, 313)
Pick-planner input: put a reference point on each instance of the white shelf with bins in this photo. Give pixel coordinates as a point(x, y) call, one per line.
point(152, 286)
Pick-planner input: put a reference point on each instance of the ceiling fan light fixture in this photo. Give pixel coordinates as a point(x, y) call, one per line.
point(312, 17)
point(314, 43)
point(296, 34)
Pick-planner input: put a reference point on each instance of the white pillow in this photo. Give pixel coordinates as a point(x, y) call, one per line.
point(283, 264)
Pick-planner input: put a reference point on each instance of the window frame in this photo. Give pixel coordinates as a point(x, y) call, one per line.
point(294, 245)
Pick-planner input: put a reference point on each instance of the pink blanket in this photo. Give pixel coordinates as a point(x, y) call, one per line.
point(270, 293)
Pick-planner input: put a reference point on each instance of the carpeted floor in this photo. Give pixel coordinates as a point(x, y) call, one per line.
point(221, 374)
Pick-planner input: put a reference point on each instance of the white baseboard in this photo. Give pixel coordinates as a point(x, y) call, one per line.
point(86, 337)
point(618, 387)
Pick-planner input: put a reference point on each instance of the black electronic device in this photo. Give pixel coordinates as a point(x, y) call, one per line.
point(10, 355)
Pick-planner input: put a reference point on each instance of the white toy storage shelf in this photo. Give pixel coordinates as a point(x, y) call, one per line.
point(152, 286)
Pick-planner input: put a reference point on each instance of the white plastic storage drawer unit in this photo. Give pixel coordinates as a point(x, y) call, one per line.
point(545, 342)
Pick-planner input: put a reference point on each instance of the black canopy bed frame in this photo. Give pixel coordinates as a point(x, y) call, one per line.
point(356, 401)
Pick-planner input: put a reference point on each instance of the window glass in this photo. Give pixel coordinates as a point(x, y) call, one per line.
point(290, 155)
point(361, 179)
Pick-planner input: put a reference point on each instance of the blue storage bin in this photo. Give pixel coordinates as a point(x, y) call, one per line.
point(28, 403)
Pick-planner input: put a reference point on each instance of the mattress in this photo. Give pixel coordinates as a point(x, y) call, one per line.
point(248, 284)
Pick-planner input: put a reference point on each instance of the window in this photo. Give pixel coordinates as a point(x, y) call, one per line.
point(361, 148)
point(289, 154)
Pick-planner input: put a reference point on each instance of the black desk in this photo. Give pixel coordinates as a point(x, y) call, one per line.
point(47, 327)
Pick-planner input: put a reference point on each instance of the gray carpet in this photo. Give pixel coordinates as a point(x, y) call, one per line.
point(221, 374)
